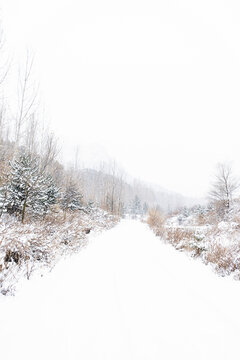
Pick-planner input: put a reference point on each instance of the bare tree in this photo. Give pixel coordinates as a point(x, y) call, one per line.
point(31, 135)
point(225, 186)
point(76, 160)
point(27, 96)
point(4, 69)
point(4, 64)
point(120, 193)
point(112, 187)
point(49, 151)
point(2, 121)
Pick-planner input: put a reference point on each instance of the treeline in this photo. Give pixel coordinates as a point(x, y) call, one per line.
point(33, 182)
point(28, 188)
point(115, 192)
point(109, 189)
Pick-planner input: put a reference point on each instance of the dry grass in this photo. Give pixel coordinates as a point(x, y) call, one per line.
point(156, 221)
point(185, 240)
point(178, 235)
point(217, 244)
point(224, 259)
point(182, 239)
point(236, 219)
point(209, 218)
point(24, 247)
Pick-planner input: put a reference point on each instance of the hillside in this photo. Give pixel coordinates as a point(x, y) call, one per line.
point(95, 185)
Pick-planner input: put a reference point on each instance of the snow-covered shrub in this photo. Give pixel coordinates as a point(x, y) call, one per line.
point(39, 244)
point(202, 232)
point(72, 198)
point(197, 245)
point(185, 239)
point(176, 236)
point(225, 259)
point(28, 189)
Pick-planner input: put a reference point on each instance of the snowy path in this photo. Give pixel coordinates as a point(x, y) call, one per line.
point(127, 296)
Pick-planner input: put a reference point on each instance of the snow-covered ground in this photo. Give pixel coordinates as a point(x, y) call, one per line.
point(126, 296)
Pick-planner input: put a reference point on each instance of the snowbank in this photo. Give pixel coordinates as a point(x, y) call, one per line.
point(126, 296)
point(40, 244)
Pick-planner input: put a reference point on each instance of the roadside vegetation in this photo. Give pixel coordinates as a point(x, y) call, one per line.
point(211, 232)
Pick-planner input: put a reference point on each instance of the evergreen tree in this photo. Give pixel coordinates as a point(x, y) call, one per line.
point(27, 188)
point(136, 206)
point(72, 198)
point(52, 191)
point(145, 208)
point(108, 203)
point(23, 185)
point(47, 197)
point(3, 198)
point(91, 206)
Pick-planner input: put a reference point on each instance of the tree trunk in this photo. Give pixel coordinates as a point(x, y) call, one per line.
point(23, 210)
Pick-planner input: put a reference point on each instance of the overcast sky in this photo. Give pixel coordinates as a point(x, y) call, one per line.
point(154, 84)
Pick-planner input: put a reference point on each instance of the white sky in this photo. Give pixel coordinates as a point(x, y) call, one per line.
point(155, 84)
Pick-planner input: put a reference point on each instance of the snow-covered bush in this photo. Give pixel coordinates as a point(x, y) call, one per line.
point(225, 259)
point(40, 244)
point(185, 239)
point(27, 189)
point(72, 198)
point(214, 240)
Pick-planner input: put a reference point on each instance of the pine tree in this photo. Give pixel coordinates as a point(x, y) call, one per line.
point(3, 198)
point(91, 206)
point(136, 206)
point(52, 192)
point(109, 203)
point(72, 198)
point(22, 186)
point(145, 208)
point(27, 188)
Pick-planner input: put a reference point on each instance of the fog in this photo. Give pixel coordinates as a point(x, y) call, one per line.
point(153, 84)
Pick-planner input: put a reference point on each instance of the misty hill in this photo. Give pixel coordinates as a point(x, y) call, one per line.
point(112, 188)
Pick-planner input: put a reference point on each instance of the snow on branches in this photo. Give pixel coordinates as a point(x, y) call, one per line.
point(27, 189)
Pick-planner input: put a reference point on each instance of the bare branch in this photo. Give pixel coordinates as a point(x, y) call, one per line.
point(27, 96)
point(225, 186)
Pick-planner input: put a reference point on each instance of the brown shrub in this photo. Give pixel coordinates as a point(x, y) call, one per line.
point(14, 256)
point(223, 258)
point(156, 221)
point(178, 235)
point(209, 218)
point(200, 220)
point(24, 247)
point(236, 219)
point(185, 239)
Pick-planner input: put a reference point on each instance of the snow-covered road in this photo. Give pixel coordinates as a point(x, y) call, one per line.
point(126, 296)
